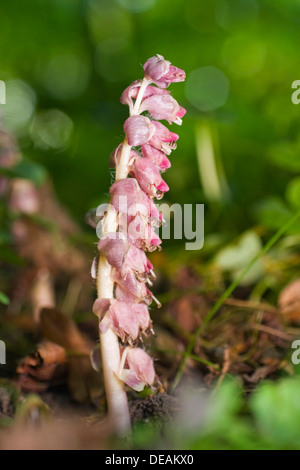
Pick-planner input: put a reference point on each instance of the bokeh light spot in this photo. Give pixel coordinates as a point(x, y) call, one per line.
point(51, 128)
point(114, 60)
point(233, 14)
point(66, 75)
point(19, 107)
point(201, 16)
point(207, 88)
point(106, 20)
point(137, 6)
point(243, 54)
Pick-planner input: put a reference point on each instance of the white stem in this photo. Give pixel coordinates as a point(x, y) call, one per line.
point(110, 349)
point(140, 95)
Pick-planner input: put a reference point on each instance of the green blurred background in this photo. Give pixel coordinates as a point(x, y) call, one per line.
point(66, 62)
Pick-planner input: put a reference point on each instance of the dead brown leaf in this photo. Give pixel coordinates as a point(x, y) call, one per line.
point(289, 302)
point(83, 381)
point(45, 368)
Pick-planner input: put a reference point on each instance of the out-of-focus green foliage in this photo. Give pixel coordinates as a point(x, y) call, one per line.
point(227, 420)
point(65, 64)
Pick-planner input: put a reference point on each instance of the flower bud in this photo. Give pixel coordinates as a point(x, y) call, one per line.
point(163, 107)
point(161, 72)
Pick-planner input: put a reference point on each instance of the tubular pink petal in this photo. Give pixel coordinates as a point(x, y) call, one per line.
point(138, 130)
point(174, 75)
point(156, 67)
point(129, 284)
point(137, 261)
point(131, 379)
point(147, 175)
point(125, 194)
point(100, 307)
point(143, 317)
point(163, 139)
point(163, 187)
point(157, 156)
point(161, 72)
point(141, 364)
point(181, 112)
point(104, 324)
point(123, 320)
point(114, 247)
point(130, 92)
point(162, 107)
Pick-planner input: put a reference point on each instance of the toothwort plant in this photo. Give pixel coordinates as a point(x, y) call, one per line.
point(128, 230)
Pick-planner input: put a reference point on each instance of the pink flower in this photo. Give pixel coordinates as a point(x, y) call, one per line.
point(140, 371)
point(100, 307)
point(157, 156)
point(155, 215)
point(122, 320)
point(132, 91)
point(128, 199)
point(115, 156)
point(138, 130)
point(137, 261)
point(161, 72)
point(163, 107)
point(163, 139)
point(24, 197)
point(148, 177)
point(127, 320)
point(142, 235)
point(141, 130)
point(130, 289)
point(123, 256)
point(114, 247)
point(142, 314)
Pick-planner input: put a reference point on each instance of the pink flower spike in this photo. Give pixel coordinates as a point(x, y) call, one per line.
point(161, 72)
point(138, 130)
point(128, 226)
point(157, 156)
point(163, 107)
